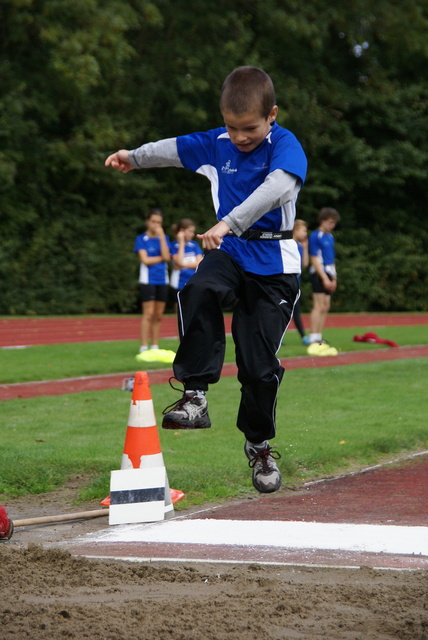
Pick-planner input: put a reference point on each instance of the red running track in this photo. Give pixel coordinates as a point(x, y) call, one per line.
point(15, 332)
point(161, 376)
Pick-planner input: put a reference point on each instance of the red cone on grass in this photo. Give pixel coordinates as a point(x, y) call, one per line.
point(142, 447)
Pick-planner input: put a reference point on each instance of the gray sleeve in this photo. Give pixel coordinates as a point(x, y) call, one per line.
point(278, 188)
point(156, 154)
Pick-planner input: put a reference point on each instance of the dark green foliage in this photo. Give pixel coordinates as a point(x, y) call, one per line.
point(82, 78)
point(380, 273)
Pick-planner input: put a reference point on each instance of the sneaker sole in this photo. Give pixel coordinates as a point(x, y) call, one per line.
point(260, 488)
point(269, 489)
point(170, 424)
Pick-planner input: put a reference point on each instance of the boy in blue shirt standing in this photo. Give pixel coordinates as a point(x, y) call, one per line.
point(256, 169)
point(323, 277)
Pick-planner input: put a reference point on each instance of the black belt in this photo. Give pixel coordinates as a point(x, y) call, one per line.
point(259, 234)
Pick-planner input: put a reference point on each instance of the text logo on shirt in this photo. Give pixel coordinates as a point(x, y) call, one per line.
point(226, 168)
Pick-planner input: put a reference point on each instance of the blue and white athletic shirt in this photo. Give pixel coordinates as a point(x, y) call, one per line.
point(154, 273)
point(321, 245)
point(234, 175)
point(179, 277)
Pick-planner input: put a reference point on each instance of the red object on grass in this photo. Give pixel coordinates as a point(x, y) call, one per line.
point(373, 337)
point(6, 525)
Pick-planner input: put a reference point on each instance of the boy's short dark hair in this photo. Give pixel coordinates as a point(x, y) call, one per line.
point(328, 213)
point(248, 89)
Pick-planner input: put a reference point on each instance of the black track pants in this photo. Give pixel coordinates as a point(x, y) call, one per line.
point(262, 312)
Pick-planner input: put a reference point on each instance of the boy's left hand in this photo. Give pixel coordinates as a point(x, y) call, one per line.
point(212, 238)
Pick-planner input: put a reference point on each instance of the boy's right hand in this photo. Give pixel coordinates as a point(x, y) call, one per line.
point(120, 161)
point(212, 238)
point(329, 285)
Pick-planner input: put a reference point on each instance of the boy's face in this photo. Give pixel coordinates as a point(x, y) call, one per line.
point(328, 225)
point(248, 130)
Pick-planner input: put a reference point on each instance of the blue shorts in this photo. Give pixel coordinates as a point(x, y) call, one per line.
point(157, 292)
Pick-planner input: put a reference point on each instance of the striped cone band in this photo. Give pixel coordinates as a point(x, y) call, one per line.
point(135, 460)
point(141, 414)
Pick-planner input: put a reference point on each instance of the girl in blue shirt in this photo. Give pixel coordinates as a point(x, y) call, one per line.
point(186, 254)
point(152, 248)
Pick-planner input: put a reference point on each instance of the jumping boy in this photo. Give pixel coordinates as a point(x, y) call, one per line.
point(323, 277)
point(256, 169)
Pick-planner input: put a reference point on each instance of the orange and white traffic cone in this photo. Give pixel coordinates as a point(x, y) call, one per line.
point(142, 451)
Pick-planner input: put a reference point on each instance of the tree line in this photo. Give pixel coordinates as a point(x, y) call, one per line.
point(82, 78)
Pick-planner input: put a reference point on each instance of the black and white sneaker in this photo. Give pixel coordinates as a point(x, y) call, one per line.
point(266, 475)
point(189, 412)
